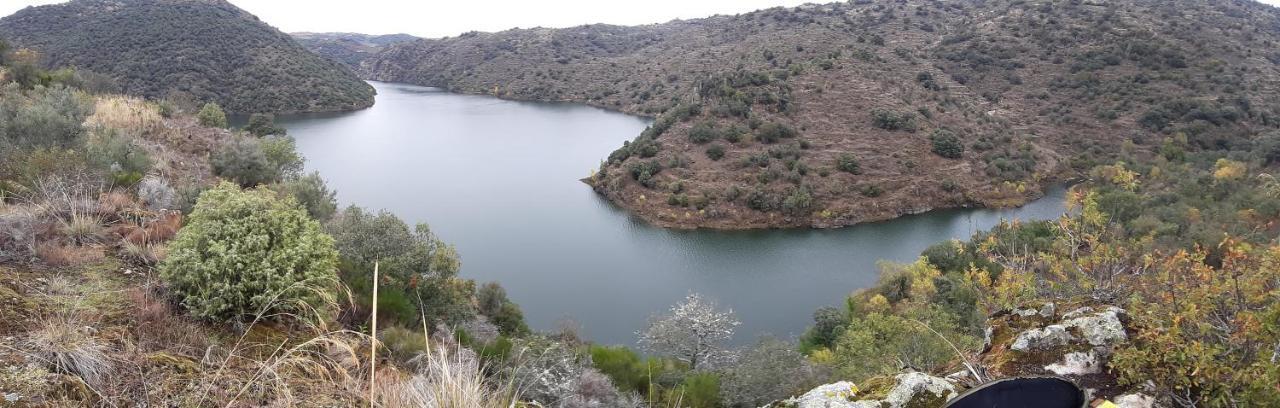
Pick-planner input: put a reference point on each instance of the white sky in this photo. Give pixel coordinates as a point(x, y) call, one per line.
point(439, 18)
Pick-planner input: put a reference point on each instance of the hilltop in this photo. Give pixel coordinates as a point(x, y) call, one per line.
point(197, 50)
point(350, 49)
point(834, 114)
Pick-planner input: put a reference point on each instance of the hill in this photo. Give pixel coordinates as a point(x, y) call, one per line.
point(348, 48)
point(829, 115)
point(204, 50)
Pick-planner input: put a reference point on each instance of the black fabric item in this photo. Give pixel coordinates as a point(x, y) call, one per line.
point(1037, 392)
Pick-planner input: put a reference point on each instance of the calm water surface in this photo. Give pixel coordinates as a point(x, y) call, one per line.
point(499, 180)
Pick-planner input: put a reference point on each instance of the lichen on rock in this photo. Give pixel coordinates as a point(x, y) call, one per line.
point(909, 390)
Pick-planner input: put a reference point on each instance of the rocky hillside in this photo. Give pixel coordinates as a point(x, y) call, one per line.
point(351, 49)
point(200, 50)
point(829, 115)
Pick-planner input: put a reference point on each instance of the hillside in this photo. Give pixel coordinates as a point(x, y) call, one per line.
point(348, 48)
point(829, 115)
point(201, 50)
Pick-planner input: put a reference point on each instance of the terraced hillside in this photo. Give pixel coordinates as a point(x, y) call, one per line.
point(829, 115)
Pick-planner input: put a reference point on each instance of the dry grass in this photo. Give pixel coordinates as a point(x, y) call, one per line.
point(65, 343)
point(126, 113)
point(81, 228)
point(58, 255)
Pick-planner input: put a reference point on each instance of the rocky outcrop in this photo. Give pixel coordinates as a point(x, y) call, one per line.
point(909, 390)
point(1076, 345)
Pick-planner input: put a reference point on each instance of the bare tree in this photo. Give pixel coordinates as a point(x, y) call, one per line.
point(694, 332)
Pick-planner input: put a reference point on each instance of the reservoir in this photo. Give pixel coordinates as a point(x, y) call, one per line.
point(499, 180)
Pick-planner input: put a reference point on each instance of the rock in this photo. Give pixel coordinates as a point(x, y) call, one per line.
point(1026, 312)
point(1077, 363)
point(1135, 400)
point(910, 390)
point(12, 397)
point(1101, 329)
point(1048, 310)
point(1041, 339)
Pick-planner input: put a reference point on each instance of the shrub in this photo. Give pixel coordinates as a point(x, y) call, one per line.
point(644, 172)
point(715, 152)
point(413, 261)
point(263, 124)
point(250, 162)
point(243, 161)
point(245, 252)
point(156, 193)
point(946, 144)
point(798, 202)
point(772, 132)
point(211, 115)
point(703, 132)
point(124, 161)
point(848, 164)
point(52, 117)
point(311, 192)
point(493, 302)
point(890, 120)
point(770, 371)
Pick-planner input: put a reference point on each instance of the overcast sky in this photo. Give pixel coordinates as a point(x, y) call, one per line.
point(440, 18)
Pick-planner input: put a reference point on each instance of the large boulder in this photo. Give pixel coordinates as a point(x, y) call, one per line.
point(1077, 345)
point(909, 390)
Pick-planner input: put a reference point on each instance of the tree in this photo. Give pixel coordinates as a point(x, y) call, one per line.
point(946, 144)
point(242, 160)
point(211, 115)
point(492, 301)
point(246, 252)
point(263, 124)
point(310, 191)
point(771, 370)
point(694, 332)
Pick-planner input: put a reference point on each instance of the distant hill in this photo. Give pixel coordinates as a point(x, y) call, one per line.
point(828, 115)
point(348, 48)
point(208, 50)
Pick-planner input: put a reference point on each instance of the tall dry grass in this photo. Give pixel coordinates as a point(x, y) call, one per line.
point(125, 113)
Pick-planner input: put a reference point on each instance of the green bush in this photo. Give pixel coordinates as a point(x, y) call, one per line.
point(250, 161)
point(211, 115)
point(411, 260)
point(891, 120)
point(946, 144)
point(243, 161)
point(848, 164)
point(263, 124)
point(773, 132)
point(703, 132)
point(715, 152)
point(124, 162)
point(245, 252)
point(502, 312)
point(311, 192)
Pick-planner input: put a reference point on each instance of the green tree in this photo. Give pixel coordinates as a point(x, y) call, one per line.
point(246, 252)
point(946, 144)
point(263, 124)
point(211, 115)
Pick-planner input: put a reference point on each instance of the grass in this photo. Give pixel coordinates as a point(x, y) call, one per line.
point(81, 228)
point(65, 344)
point(126, 113)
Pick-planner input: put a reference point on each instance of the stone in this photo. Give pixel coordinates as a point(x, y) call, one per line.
point(1135, 400)
point(910, 390)
point(1041, 339)
point(1077, 363)
point(1101, 329)
point(12, 397)
point(1048, 310)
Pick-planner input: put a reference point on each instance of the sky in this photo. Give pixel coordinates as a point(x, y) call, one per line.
point(441, 18)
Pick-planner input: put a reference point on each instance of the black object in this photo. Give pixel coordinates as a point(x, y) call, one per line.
point(1037, 392)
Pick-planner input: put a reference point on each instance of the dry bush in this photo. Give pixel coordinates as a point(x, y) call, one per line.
point(125, 113)
point(115, 203)
point(18, 230)
point(448, 376)
point(65, 344)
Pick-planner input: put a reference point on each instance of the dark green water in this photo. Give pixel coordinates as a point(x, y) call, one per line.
point(499, 180)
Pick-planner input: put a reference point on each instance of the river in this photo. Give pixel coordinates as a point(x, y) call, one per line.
point(499, 180)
